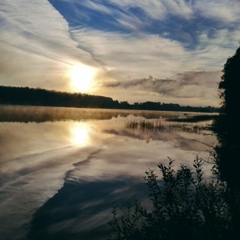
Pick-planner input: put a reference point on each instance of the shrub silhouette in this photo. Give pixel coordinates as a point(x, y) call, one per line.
point(183, 206)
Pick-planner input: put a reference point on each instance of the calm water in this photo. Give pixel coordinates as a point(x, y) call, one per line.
point(61, 170)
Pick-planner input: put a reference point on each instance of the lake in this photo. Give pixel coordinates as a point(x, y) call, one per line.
point(62, 169)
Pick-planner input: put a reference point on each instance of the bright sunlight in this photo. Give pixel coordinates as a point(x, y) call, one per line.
point(79, 135)
point(82, 77)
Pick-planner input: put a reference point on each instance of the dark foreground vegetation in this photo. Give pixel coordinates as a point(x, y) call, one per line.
point(42, 97)
point(186, 204)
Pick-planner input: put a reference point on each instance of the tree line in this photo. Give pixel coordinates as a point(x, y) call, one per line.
point(43, 97)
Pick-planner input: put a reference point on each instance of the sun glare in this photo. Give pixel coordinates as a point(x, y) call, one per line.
point(79, 135)
point(82, 77)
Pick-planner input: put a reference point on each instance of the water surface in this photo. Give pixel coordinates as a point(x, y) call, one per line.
point(62, 169)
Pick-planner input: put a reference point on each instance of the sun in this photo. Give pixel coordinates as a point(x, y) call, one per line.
point(82, 77)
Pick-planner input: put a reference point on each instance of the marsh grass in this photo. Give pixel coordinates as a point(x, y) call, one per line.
point(194, 119)
point(146, 125)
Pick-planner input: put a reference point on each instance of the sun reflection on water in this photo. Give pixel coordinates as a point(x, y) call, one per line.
point(80, 134)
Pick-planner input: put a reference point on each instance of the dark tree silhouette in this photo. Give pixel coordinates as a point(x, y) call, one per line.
point(227, 126)
point(43, 97)
point(228, 133)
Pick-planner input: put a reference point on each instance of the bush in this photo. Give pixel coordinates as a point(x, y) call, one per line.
point(183, 206)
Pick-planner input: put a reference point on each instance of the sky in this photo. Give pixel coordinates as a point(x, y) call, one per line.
point(170, 51)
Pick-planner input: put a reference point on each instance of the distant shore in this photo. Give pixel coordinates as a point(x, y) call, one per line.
point(42, 97)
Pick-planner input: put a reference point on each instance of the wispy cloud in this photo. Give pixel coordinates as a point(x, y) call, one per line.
point(226, 11)
point(187, 85)
point(179, 43)
point(158, 9)
point(35, 45)
point(133, 55)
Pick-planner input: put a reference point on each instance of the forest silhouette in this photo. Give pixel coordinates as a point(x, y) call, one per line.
point(43, 97)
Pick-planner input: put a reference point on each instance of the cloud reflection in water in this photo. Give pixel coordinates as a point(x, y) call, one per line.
point(88, 156)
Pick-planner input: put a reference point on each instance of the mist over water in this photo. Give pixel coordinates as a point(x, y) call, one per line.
point(62, 169)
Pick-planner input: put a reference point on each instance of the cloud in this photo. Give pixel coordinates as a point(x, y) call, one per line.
point(35, 44)
point(97, 6)
point(133, 56)
point(97, 15)
point(125, 40)
point(188, 88)
point(226, 11)
point(157, 9)
point(204, 79)
point(187, 85)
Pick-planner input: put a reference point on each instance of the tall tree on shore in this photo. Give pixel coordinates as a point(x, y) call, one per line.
point(228, 124)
